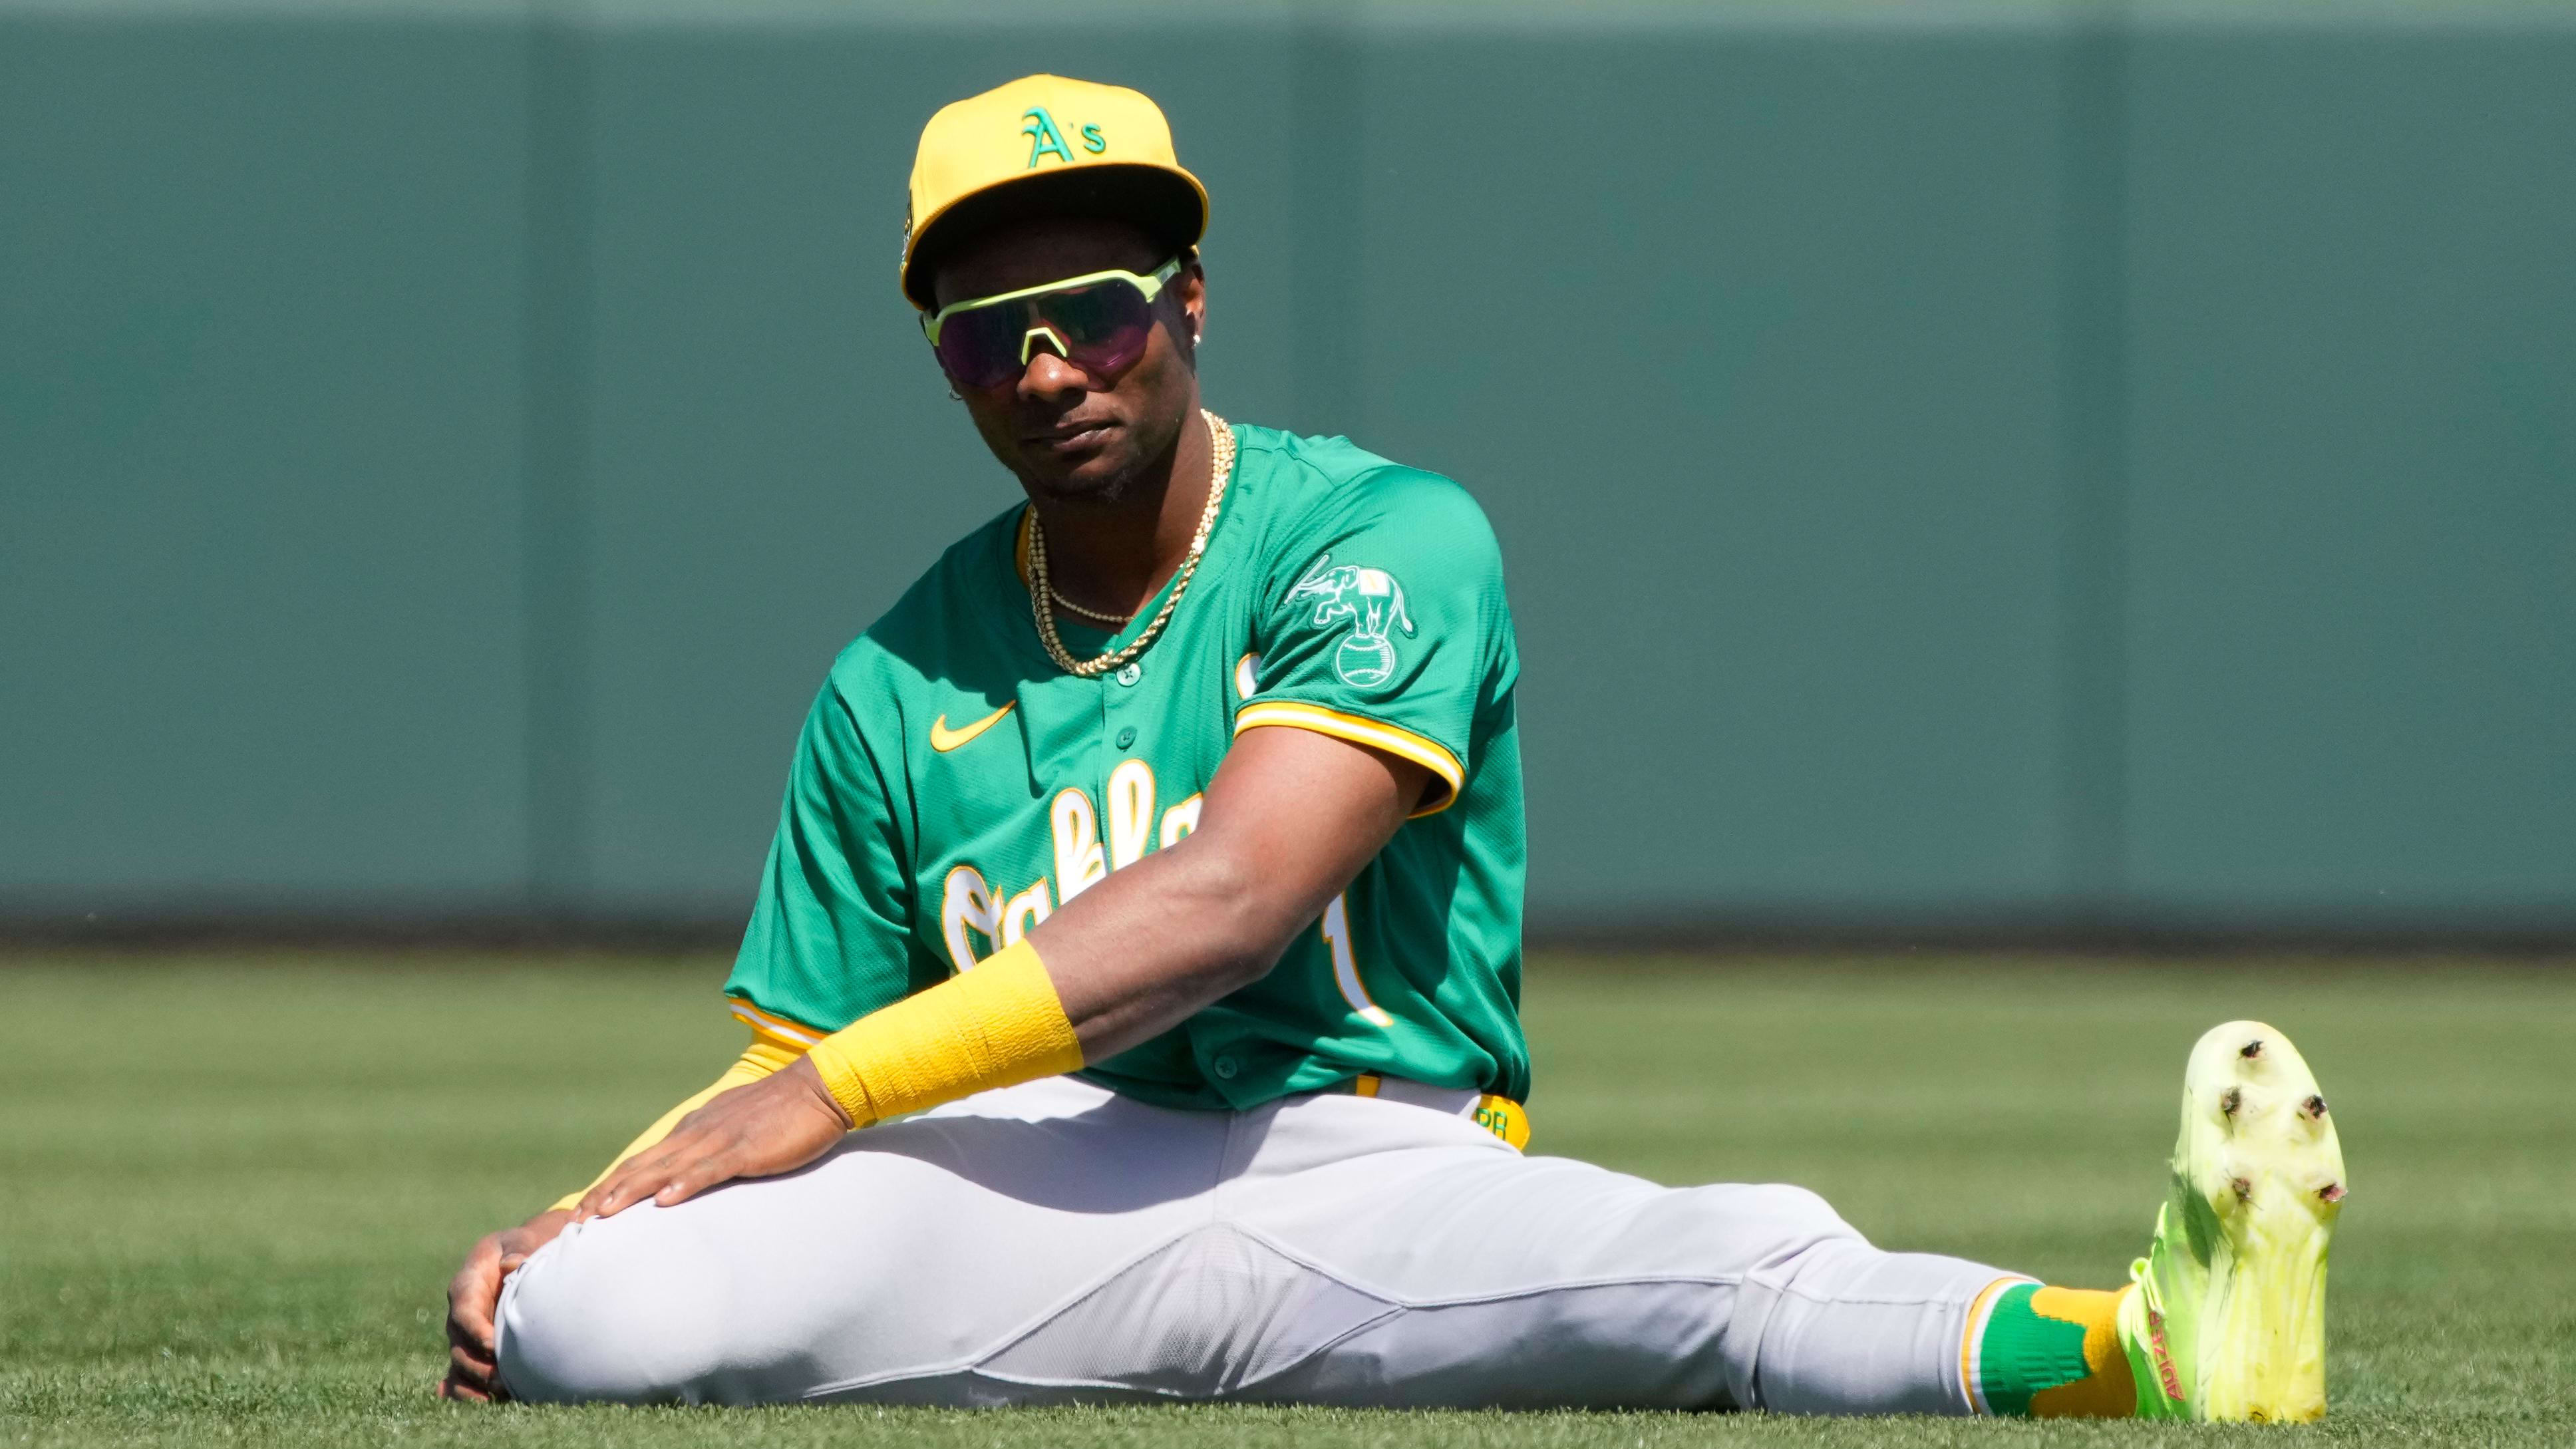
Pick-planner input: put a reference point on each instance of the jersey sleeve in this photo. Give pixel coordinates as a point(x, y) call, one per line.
point(1382, 621)
point(828, 941)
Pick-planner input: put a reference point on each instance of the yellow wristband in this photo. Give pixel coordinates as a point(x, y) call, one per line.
point(995, 1026)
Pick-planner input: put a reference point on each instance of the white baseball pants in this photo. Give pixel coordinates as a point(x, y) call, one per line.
point(1055, 1242)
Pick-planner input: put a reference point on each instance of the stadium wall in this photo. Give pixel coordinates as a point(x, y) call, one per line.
point(1967, 466)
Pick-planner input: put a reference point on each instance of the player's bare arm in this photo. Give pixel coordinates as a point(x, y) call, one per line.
point(1290, 818)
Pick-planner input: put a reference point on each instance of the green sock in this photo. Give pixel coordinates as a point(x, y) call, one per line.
point(2023, 1353)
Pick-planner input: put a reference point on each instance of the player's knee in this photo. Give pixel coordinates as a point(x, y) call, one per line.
point(589, 1319)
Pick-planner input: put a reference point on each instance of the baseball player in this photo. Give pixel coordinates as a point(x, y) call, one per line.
point(1133, 982)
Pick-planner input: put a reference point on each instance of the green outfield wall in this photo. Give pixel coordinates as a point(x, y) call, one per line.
point(1968, 464)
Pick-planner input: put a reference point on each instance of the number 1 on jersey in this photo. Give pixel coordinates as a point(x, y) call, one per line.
point(1346, 967)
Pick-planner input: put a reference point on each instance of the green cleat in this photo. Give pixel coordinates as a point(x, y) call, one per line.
point(2229, 1317)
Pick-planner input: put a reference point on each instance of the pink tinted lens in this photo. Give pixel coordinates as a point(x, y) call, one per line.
point(1104, 326)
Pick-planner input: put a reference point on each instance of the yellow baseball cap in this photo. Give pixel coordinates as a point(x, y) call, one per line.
point(1044, 145)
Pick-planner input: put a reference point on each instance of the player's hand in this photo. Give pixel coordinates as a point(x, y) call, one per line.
point(774, 1125)
point(474, 1295)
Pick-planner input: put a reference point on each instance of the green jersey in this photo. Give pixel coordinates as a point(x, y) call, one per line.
point(953, 786)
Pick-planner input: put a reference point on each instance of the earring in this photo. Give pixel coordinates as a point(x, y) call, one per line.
point(954, 395)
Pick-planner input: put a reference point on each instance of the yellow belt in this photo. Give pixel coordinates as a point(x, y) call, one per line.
point(1501, 1116)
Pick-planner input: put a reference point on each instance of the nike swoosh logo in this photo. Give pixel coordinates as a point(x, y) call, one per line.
point(943, 739)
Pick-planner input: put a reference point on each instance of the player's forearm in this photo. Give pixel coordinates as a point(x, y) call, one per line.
point(1142, 950)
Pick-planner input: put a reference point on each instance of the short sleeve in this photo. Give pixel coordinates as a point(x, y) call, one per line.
point(828, 942)
point(1382, 621)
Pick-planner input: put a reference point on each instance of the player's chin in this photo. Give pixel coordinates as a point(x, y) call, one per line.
point(1093, 469)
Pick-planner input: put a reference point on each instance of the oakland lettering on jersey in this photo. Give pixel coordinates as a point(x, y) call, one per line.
point(973, 913)
point(1084, 854)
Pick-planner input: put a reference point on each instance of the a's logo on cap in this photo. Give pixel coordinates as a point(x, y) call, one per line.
point(1046, 140)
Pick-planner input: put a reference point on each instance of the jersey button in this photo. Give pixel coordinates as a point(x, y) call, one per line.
point(1224, 1068)
point(1130, 674)
point(1127, 737)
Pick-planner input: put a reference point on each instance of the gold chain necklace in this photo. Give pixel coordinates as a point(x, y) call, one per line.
point(1220, 472)
point(1114, 621)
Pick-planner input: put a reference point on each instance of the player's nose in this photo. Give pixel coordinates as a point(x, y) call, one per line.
point(1049, 375)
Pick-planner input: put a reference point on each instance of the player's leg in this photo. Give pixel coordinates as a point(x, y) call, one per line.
point(1533, 1282)
point(885, 1270)
point(1550, 1282)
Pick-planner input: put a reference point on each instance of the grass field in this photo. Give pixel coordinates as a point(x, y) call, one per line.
point(231, 1189)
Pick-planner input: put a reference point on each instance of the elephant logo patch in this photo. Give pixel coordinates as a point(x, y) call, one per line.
point(1373, 602)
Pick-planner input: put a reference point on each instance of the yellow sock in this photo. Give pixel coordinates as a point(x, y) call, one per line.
point(2054, 1353)
point(2107, 1390)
